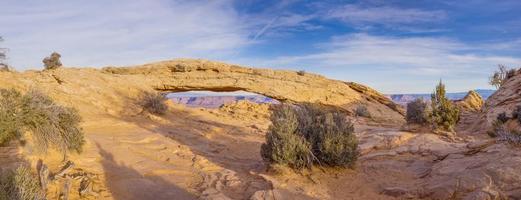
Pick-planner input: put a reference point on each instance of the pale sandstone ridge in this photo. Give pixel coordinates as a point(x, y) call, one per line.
point(470, 110)
point(471, 102)
point(188, 75)
point(110, 89)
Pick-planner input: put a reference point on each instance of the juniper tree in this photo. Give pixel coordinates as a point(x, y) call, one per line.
point(444, 114)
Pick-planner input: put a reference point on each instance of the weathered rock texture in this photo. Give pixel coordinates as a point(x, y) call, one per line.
point(188, 75)
point(110, 87)
point(472, 102)
point(505, 99)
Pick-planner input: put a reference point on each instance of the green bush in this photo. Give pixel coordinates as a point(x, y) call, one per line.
point(51, 125)
point(20, 184)
point(52, 62)
point(318, 135)
point(284, 145)
point(153, 103)
point(361, 111)
point(417, 112)
point(444, 113)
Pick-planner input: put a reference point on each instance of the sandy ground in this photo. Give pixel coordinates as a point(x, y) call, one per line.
point(186, 154)
point(195, 153)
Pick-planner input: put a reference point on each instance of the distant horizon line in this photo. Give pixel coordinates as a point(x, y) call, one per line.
point(244, 93)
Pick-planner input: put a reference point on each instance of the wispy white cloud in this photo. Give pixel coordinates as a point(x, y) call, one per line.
point(120, 32)
point(412, 58)
point(357, 14)
point(376, 17)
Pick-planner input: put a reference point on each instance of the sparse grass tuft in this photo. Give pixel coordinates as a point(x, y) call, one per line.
point(361, 111)
point(153, 103)
point(50, 124)
point(20, 184)
point(10, 119)
point(506, 132)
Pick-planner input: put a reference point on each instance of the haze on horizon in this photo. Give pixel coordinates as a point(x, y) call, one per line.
point(392, 46)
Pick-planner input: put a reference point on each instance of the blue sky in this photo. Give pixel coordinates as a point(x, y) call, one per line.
point(392, 46)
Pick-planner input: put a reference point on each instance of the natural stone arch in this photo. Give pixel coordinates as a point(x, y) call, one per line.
point(110, 89)
point(283, 85)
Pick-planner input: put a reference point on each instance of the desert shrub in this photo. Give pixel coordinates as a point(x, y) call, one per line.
point(20, 184)
point(51, 125)
point(10, 121)
point(417, 112)
point(502, 117)
point(501, 76)
point(318, 136)
point(53, 61)
point(301, 72)
point(511, 136)
point(330, 134)
point(361, 111)
point(284, 145)
point(444, 113)
point(504, 132)
point(153, 103)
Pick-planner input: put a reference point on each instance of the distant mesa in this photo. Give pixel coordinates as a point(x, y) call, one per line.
point(403, 99)
point(212, 101)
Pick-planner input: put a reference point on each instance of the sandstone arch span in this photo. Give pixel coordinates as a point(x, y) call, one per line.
point(107, 89)
point(283, 85)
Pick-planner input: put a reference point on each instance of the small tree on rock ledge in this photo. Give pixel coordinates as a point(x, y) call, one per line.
point(501, 76)
point(52, 62)
point(444, 114)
